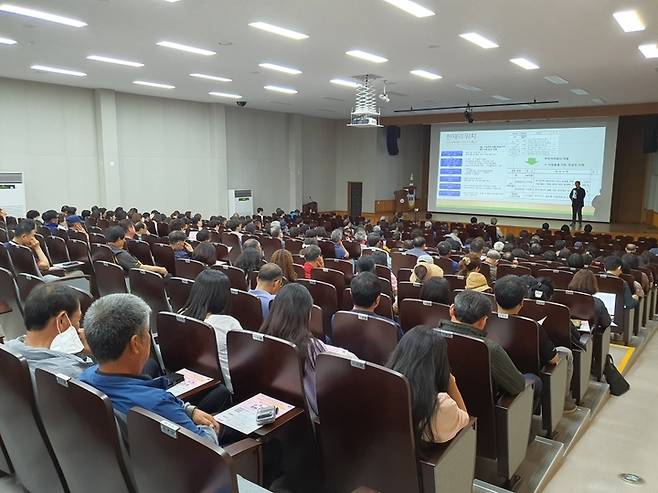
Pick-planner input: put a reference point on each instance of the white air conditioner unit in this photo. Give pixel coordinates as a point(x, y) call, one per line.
point(12, 193)
point(240, 201)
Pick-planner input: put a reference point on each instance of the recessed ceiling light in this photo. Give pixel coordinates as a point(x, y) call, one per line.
point(411, 7)
point(479, 40)
point(211, 77)
point(225, 95)
point(7, 41)
point(467, 87)
point(629, 21)
point(153, 84)
point(345, 83)
point(649, 50)
point(188, 49)
point(556, 79)
point(172, 1)
point(500, 98)
point(56, 70)
point(580, 92)
point(369, 57)
point(284, 90)
point(280, 68)
point(281, 31)
point(524, 63)
point(38, 14)
point(116, 61)
point(425, 74)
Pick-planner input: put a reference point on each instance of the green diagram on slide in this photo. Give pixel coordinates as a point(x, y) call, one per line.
point(532, 160)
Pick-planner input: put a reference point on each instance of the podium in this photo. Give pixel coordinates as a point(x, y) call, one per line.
point(310, 207)
point(402, 201)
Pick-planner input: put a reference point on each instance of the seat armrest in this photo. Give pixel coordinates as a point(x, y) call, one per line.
point(247, 458)
point(554, 379)
point(54, 271)
point(513, 419)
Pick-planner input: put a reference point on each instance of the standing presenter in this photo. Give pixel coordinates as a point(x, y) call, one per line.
point(577, 197)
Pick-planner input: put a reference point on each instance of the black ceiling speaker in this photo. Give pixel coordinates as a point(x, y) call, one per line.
point(392, 136)
point(651, 135)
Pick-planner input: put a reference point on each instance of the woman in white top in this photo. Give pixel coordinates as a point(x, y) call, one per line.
point(209, 301)
point(437, 407)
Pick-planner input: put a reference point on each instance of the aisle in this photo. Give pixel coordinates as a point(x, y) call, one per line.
point(622, 438)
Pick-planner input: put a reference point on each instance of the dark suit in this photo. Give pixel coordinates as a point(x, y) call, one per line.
point(577, 196)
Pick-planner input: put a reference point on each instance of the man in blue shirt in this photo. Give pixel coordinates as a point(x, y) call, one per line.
point(116, 328)
point(418, 247)
point(180, 246)
point(339, 249)
point(268, 283)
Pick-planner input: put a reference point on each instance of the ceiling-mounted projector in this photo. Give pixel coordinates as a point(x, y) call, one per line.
point(365, 113)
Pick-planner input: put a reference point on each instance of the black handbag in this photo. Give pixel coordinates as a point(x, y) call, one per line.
point(616, 381)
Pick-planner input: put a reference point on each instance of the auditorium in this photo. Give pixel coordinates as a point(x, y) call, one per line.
point(374, 246)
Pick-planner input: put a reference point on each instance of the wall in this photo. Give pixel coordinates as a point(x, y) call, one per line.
point(48, 133)
point(319, 148)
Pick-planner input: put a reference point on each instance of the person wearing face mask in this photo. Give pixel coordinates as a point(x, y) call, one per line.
point(52, 342)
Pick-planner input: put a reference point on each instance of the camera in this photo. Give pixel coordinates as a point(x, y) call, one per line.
point(241, 104)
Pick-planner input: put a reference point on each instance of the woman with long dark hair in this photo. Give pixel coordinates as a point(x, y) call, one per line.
point(250, 260)
point(210, 302)
point(289, 318)
point(437, 407)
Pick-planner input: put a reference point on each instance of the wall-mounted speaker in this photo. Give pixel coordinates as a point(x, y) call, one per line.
point(392, 136)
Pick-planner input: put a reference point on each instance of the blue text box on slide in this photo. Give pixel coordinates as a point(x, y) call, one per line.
point(450, 186)
point(452, 153)
point(449, 193)
point(454, 161)
point(451, 171)
point(450, 179)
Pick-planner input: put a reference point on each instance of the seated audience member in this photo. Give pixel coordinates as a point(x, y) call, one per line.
point(588, 228)
point(630, 261)
point(253, 243)
point(24, 235)
point(444, 249)
point(235, 226)
point(115, 237)
point(631, 248)
point(425, 269)
point(454, 240)
point(337, 240)
point(584, 281)
point(366, 263)
point(203, 235)
point(250, 260)
point(268, 283)
point(376, 244)
point(75, 223)
point(575, 261)
point(470, 263)
point(477, 282)
point(499, 233)
point(289, 319)
point(564, 253)
point(178, 242)
point(117, 330)
point(476, 246)
point(613, 267)
point(312, 260)
point(141, 231)
point(206, 253)
point(510, 291)
point(436, 290)
point(127, 225)
point(366, 295)
point(283, 258)
point(50, 220)
point(382, 258)
point(468, 316)
point(492, 258)
point(535, 250)
point(52, 342)
point(209, 301)
point(499, 246)
point(418, 246)
point(549, 255)
point(438, 409)
point(34, 216)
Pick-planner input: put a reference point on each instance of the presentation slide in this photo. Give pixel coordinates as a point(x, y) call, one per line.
point(523, 170)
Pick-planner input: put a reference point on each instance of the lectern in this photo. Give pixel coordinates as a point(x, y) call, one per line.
point(310, 207)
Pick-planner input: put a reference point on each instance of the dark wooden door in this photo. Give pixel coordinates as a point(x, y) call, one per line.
point(355, 198)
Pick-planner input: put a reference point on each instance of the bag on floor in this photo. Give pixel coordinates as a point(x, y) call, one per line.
point(616, 381)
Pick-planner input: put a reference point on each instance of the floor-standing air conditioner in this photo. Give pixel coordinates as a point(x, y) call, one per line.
point(12, 193)
point(240, 201)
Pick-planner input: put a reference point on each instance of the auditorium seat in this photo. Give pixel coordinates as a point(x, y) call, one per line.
point(386, 287)
point(353, 248)
point(247, 309)
point(515, 269)
point(22, 430)
point(367, 439)
point(101, 252)
point(384, 309)
point(370, 338)
point(316, 323)
point(79, 251)
point(235, 275)
point(325, 296)
point(23, 260)
point(404, 275)
point(110, 278)
point(163, 256)
point(561, 278)
point(5, 259)
point(150, 287)
point(188, 268)
point(299, 270)
point(231, 240)
point(221, 251)
point(623, 318)
point(415, 312)
point(141, 250)
point(97, 238)
point(344, 266)
point(519, 336)
point(402, 261)
point(269, 246)
point(81, 426)
point(328, 248)
point(178, 289)
point(57, 249)
point(456, 281)
point(294, 245)
point(408, 290)
point(334, 277)
point(445, 263)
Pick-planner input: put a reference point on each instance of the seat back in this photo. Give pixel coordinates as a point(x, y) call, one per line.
point(261, 363)
point(141, 250)
point(221, 251)
point(294, 246)
point(97, 238)
point(400, 260)
point(555, 319)
point(561, 278)
point(5, 259)
point(328, 248)
point(188, 343)
point(514, 269)
point(79, 251)
point(26, 283)
point(179, 290)
point(269, 246)
point(22, 430)
point(334, 277)
point(110, 278)
point(188, 268)
point(408, 289)
point(82, 430)
point(231, 240)
point(519, 337)
point(101, 252)
point(169, 458)
point(415, 312)
point(235, 275)
point(384, 309)
point(85, 298)
point(23, 260)
point(163, 256)
point(445, 263)
point(57, 249)
point(367, 437)
point(246, 308)
point(325, 296)
point(12, 322)
point(615, 285)
point(344, 266)
point(369, 338)
point(581, 305)
point(456, 282)
point(404, 275)
point(150, 287)
point(315, 325)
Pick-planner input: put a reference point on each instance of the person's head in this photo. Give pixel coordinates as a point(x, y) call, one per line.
point(471, 308)
point(205, 253)
point(283, 258)
point(252, 243)
point(422, 357)
point(32, 214)
point(313, 255)
point(493, 221)
point(587, 228)
point(419, 242)
point(612, 264)
point(365, 263)
point(270, 278)
point(477, 245)
point(629, 261)
point(565, 229)
point(177, 240)
point(366, 291)
point(499, 246)
point(116, 236)
point(541, 289)
point(425, 269)
point(128, 228)
point(436, 290)
point(250, 260)
point(51, 309)
point(510, 291)
point(575, 260)
point(444, 248)
point(50, 216)
point(374, 240)
point(584, 281)
point(470, 263)
point(210, 295)
point(24, 232)
point(141, 229)
point(549, 255)
point(477, 282)
point(577, 184)
point(519, 253)
point(631, 248)
point(234, 224)
point(336, 236)
point(545, 226)
point(117, 331)
point(535, 249)
point(275, 231)
point(493, 257)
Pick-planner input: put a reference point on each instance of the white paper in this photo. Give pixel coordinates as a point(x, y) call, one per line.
point(584, 326)
point(610, 301)
point(242, 417)
point(192, 381)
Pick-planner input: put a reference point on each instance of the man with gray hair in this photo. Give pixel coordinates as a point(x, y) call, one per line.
point(337, 240)
point(117, 331)
point(492, 258)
